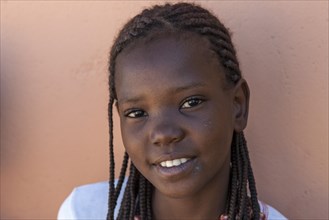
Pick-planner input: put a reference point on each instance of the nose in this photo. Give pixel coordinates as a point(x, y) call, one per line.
point(165, 133)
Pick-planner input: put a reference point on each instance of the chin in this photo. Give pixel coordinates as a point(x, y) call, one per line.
point(177, 190)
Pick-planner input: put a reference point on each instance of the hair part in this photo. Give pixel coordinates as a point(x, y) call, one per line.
point(146, 26)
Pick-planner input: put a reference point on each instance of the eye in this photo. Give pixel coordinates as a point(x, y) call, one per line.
point(191, 102)
point(135, 113)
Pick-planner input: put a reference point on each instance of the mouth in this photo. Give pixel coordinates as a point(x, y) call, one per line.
point(175, 169)
point(175, 162)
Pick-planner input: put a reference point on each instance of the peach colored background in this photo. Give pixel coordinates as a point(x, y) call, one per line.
point(54, 99)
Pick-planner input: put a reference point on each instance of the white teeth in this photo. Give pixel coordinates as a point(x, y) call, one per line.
point(169, 163)
point(176, 162)
point(172, 163)
point(183, 160)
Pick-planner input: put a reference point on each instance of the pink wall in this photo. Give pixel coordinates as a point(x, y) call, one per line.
point(54, 99)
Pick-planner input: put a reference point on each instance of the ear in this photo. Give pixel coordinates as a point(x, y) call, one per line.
point(241, 105)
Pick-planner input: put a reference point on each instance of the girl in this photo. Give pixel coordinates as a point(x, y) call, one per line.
point(183, 105)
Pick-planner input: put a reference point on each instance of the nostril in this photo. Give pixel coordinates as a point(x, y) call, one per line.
point(177, 139)
point(166, 135)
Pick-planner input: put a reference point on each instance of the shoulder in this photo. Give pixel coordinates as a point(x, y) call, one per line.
point(87, 202)
point(270, 212)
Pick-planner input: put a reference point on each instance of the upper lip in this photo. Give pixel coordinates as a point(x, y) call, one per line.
point(171, 156)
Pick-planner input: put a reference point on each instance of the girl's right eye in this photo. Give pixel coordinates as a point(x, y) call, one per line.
point(135, 113)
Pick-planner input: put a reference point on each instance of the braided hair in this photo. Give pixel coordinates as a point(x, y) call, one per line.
point(180, 17)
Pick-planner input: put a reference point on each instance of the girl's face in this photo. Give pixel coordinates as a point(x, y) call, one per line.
point(177, 118)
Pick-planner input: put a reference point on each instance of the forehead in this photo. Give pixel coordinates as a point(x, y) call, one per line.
point(169, 60)
point(170, 47)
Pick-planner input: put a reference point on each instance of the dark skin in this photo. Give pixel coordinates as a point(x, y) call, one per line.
point(174, 102)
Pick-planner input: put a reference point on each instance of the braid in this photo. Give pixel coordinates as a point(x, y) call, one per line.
point(238, 209)
point(124, 201)
point(234, 179)
point(252, 184)
point(133, 191)
point(243, 187)
point(122, 176)
point(110, 213)
point(179, 18)
point(148, 200)
point(142, 196)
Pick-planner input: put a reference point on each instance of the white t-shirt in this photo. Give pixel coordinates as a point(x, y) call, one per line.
point(91, 202)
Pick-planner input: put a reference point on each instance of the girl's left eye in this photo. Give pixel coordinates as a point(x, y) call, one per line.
point(191, 102)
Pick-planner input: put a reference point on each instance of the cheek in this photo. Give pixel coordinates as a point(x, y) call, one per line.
point(215, 135)
point(133, 142)
point(130, 133)
point(217, 123)
point(207, 124)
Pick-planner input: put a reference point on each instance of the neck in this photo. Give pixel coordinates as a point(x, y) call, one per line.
point(208, 203)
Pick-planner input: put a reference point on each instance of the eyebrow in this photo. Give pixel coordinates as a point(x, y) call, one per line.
point(172, 91)
point(188, 87)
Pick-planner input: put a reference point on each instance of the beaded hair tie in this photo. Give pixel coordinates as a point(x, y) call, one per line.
point(262, 216)
point(222, 217)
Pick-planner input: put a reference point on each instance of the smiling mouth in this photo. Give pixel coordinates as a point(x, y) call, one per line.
point(174, 163)
point(175, 169)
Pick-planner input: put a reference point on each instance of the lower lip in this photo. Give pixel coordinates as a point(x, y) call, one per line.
point(176, 172)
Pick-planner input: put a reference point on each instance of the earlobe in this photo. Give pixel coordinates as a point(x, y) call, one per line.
point(241, 105)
